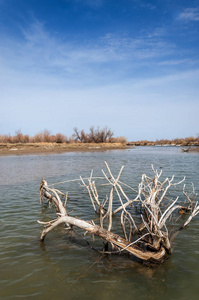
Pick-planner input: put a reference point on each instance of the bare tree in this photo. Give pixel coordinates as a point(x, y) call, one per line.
point(76, 134)
point(94, 136)
point(145, 218)
point(46, 135)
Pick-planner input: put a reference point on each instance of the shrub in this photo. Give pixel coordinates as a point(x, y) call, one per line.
point(94, 136)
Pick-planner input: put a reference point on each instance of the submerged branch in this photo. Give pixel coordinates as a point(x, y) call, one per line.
point(143, 218)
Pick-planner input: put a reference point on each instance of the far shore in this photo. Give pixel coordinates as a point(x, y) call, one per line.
point(53, 148)
point(50, 148)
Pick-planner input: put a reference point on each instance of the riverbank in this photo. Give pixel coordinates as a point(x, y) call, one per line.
point(50, 148)
point(185, 148)
point(194, 149)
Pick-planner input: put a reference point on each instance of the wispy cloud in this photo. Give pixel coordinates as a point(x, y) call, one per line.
point(91, 3)
point(144, 4)
point(130, 70)
point(44, 73)
point(138, 48)
point(147, 5)
point(189, 14)
point(107, 56)
point(106, 59)
point(176, 62)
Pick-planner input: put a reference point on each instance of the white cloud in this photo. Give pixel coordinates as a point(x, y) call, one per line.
point(91, 3)
point(190, 14)
point(147, 5)
point(48, 82)
point(144, 47)
point(105, 59)
point(175, 62)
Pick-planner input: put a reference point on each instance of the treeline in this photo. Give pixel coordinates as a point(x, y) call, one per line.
point(188, 141)
point(95, 135)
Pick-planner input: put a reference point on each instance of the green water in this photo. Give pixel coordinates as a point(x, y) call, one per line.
point(65, 267)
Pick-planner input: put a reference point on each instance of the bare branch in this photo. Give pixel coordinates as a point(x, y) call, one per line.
point(147, 213)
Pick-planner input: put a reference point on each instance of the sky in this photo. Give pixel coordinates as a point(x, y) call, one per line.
point(130, 65)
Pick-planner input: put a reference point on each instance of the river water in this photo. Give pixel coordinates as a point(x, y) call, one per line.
point(64, 267)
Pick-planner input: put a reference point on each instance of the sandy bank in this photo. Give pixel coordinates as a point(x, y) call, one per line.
point(50, 148)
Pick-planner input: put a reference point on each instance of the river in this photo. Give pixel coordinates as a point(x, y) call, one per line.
point(64, 267)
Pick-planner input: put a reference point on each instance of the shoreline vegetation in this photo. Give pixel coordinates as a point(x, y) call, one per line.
point(44, 142)
point(95, 140)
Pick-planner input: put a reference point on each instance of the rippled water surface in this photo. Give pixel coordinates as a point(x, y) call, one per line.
point(65, 267)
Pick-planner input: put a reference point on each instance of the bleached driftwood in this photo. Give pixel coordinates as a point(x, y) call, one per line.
point(185, 149)
point(150, 239)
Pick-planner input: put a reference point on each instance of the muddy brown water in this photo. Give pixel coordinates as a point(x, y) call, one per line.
point(65, 267)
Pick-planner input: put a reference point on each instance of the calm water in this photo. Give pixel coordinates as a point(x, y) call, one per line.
point(65, 267)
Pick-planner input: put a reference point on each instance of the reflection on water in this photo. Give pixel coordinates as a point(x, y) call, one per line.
point(65, 267)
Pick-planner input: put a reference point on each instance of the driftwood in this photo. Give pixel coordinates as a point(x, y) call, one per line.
point(144, 219)
point(185, 149)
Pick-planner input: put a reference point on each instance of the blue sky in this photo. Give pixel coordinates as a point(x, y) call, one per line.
point(131, 65)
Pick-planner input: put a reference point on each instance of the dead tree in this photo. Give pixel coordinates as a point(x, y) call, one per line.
point(144, 219)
